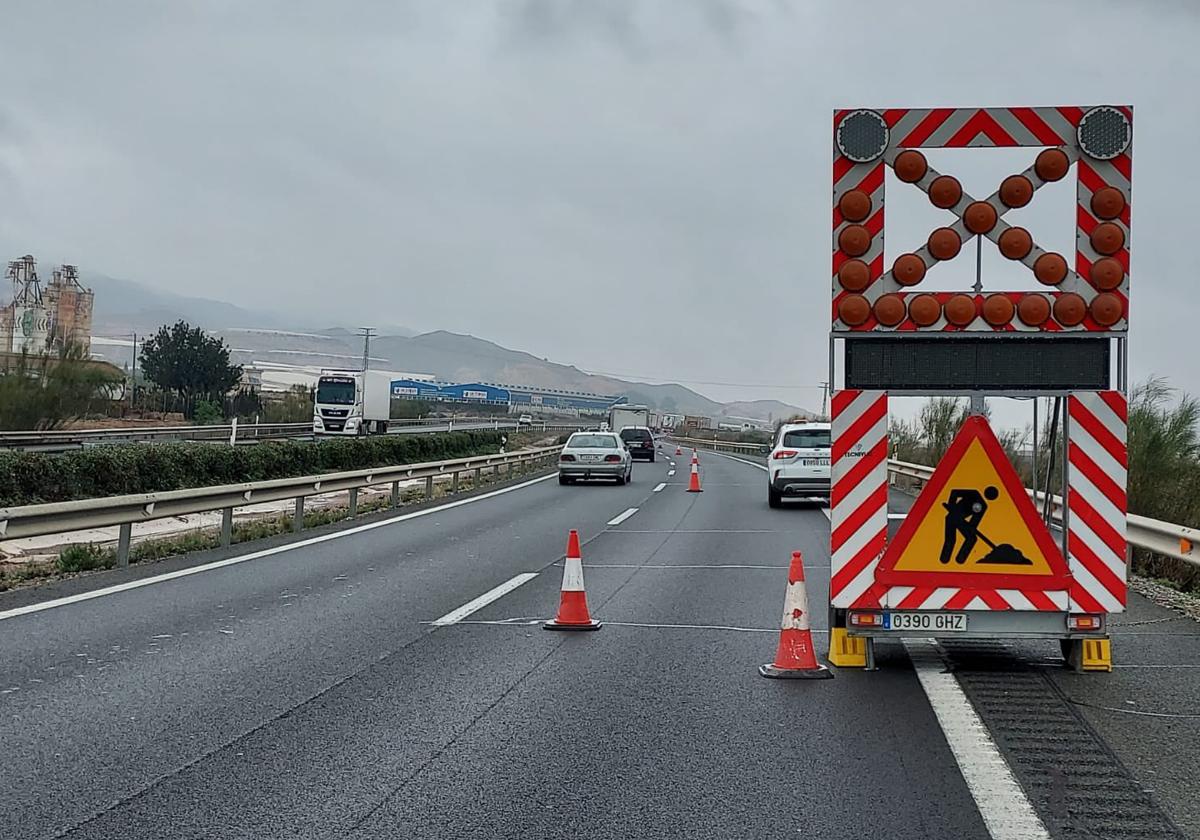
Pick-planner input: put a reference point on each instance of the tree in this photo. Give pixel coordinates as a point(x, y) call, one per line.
point(186, 361)
point(45, 391)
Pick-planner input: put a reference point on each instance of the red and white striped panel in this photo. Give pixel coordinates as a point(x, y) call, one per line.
point(912, 128)
point(955, 598)
point(1096, 454)
point(858, 496)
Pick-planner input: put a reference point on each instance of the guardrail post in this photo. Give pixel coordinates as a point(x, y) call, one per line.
point(395, 494)
point(510, 469)
point(298, 516)
point(353, 502)
point(454, 482)
point(428, 488)
point(226, 527)
point(123, 537)
point(478, 478)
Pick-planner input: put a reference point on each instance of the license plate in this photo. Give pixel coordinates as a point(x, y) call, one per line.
point(589, 457)
point(933, 622)
point(816, 462)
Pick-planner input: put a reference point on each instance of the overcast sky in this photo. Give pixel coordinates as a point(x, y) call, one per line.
point(633, 186)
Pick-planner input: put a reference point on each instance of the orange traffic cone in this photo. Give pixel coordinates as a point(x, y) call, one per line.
point(694, 484)
point(572, 606)
point(678, 451)
point(795, 659)
point(695, 457)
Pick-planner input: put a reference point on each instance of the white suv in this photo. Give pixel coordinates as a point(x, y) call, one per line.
point(799, 463)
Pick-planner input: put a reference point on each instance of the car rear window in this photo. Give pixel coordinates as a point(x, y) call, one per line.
point(807, 438)
point(592, 442)
point(635, 434)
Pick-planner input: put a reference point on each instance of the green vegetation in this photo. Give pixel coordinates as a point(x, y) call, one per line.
point(294, 406)
point(188, 364)
point(32, 477)
point(44, 392)
point(85, 557)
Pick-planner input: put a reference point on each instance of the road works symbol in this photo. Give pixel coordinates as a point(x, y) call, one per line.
point(974, 525)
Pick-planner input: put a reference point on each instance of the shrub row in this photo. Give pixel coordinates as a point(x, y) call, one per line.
point(31, 477)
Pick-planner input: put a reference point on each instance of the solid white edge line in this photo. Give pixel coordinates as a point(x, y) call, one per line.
point(621, 517)
point(255, 555)
point(659, 488)
point(476, 604)
point(1002, 803)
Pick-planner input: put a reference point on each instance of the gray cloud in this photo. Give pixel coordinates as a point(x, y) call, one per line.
point(629, 185)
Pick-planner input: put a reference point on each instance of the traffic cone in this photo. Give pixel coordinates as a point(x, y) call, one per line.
point(572, 605)
point(678, 451)
point(694, 484)
point(795, 659)
point(695, 457)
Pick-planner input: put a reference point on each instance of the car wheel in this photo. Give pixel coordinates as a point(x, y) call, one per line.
point(774, 497)
point(651, 457)
point(620, 480)
point(562, 479)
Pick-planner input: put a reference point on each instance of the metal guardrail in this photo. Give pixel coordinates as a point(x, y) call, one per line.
point(125, 511)
point(1165, 538)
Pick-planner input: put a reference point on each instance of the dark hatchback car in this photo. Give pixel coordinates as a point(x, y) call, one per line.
point(639, 441)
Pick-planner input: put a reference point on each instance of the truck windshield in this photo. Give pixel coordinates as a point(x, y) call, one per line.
point(335, 391)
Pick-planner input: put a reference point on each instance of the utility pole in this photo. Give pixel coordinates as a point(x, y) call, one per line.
point(133, 373)
point(824, 397)
point(366, 333)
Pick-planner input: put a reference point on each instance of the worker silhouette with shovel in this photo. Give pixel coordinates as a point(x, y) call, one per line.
point(964, 511)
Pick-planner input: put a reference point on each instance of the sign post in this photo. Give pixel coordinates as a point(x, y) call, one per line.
point(973, 557)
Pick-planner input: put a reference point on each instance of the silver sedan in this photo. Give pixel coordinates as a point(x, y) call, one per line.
point(595, 455)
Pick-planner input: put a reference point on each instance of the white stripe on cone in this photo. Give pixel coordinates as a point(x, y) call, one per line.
point(795, 608)
point(572, 575)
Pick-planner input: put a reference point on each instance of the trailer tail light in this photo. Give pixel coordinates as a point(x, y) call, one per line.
point(566, 457)
point(1079, 623)
point(785, 453)
point(866, 619)
point(612, 459)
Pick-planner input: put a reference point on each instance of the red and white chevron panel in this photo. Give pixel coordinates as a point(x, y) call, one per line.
point(892, 131)
point(858, 496)
point(955, 598)
point(1096, 546)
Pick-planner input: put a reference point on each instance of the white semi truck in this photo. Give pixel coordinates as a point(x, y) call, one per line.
point(352, 402)
point(623, 416)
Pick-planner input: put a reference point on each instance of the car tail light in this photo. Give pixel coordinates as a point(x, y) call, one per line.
point(1084, 622)
point(566, 457)
point(866, 619)
point(785, 453)
point(612, 459)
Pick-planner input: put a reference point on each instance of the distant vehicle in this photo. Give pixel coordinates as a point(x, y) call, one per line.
point(639, 440)
point(621, 416)
point(352, 402)
point(594, 455)
point(798, 465)
point(525, 420)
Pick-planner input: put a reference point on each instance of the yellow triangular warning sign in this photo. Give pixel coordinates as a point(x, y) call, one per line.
point(973, 525)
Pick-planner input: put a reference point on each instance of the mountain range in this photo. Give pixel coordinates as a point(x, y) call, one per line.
point(123, 307)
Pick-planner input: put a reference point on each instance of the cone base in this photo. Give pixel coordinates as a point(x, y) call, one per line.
point(552, 624)
point(696, 490)
point(818, 673)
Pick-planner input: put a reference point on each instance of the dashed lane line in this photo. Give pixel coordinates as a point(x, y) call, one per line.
point(476, 604)
point(670, 473)
point(659, 488)
point(621, 517)
point(254, 555)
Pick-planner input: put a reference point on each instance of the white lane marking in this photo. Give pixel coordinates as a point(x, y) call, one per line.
point(621, 517)
point(659, 488)
point(1005, 810)
point(828, 513)
point(522, 622)
point(476, 604)
point(670, 473)
point(672, 463)
point(255, 555)
point(681, 566)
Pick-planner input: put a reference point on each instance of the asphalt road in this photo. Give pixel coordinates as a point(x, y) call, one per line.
point(307, 694)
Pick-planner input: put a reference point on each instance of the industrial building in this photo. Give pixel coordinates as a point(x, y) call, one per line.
point(44, 319)
point(517, 398)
